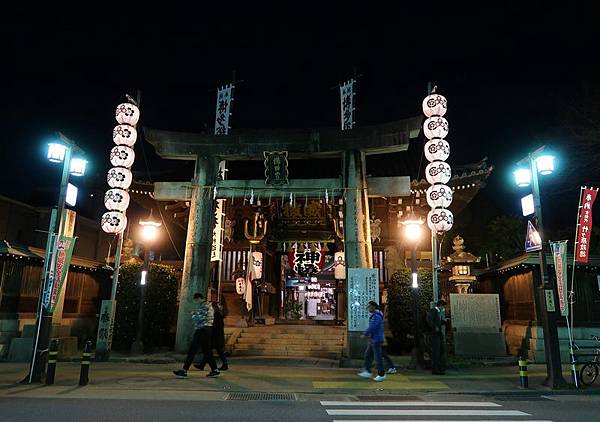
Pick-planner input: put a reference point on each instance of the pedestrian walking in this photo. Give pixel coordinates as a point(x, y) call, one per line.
point(435, 320)
point(218, 338)
point(373, 351)
point(202, 318)
point(391, 368)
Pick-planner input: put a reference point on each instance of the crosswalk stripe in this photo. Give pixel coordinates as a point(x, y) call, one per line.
point(423, 412)
point(437, 420)
point(412, 403)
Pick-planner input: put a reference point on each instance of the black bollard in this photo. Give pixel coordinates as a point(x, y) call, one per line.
point(523, 373)
point(85, 363)
point(52, 357)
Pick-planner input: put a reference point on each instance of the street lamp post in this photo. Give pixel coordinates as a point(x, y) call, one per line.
point(149, 233)
point(543, 163)
point(58, 152)
point(412, 232)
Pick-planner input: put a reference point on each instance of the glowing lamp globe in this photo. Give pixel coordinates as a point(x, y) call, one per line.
point(56, 152)
point(522, 177)
point(412, 227)
point(545, 164)
point(78, 166)
point(150, 229)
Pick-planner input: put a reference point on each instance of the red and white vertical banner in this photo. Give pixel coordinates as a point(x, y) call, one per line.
point(559, 254)
point(584, 229)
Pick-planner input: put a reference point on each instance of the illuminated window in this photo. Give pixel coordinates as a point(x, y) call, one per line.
point(461, 270)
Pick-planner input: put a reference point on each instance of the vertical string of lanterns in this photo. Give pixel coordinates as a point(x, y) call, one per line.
point(119, 177)
point(437, 172)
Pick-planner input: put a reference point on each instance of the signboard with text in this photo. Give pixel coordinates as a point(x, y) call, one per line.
point(559, 254)
point(105, 327)
point(363, 286)
point(584, 229)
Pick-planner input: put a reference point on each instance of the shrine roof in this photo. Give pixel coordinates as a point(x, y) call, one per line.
point(300, 143)
point(529, 260)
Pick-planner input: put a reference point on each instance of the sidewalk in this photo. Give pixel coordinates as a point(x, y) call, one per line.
point(305, 377)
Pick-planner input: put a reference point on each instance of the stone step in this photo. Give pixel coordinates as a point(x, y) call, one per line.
point(296, 328)
point(316, 342)
point(295, 336)
point(288, 347)
point(288, 353)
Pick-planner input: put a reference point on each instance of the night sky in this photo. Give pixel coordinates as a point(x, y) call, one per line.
point(509, 74)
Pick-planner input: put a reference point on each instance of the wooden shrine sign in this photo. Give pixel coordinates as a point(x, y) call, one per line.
point(276, 168)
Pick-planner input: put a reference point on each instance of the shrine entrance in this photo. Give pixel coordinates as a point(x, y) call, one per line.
point(294, 200)
point(299, 281)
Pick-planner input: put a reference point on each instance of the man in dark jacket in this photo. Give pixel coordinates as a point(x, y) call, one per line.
point(203, 318)
point(435, 320)
point(218, 338)
point(375, 335)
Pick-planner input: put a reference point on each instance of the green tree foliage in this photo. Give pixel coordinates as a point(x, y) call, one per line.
point(160, 306)
point(400, 307)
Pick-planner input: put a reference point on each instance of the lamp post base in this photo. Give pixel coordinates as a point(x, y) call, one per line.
point(137, 348)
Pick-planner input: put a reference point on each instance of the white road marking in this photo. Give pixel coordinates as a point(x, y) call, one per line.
point(423, 412)
point(412, 403)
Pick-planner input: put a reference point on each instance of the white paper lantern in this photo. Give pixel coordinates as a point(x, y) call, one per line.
point(127, 113)
point(439, 196)
point(113, 222)
point(119, 177)
point(339, 266)
point(124, 135)
point(116, 200)
point(435, 127)
point(240, 285)
point(440, 220)
point(435, 105)
point(122, 156)
point(257, 264)
point(437, 149)
point(438, 172)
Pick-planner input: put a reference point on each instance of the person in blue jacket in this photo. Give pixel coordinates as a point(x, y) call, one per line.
point(374, 348)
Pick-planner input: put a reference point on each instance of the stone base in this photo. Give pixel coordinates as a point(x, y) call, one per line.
point(525, 339)
point(20, 349)
point(269, 321)
point(356, 345)
point(9, 328)
point(479, 344)
point(67, 347)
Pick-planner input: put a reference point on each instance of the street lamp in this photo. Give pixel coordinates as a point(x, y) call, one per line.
point(540, 162)
point(58, 152)
point(149, 232)
point(413, 232)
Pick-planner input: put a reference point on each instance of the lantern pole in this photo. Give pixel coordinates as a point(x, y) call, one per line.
point(434, 266)
point(554, 376)
point(44, 316)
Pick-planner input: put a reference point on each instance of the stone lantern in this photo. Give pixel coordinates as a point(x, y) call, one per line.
point(461, 262)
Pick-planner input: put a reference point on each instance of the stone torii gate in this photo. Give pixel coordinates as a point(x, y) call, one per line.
point(352, 146)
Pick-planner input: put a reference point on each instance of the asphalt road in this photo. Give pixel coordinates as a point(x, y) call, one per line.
point(439, 408)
